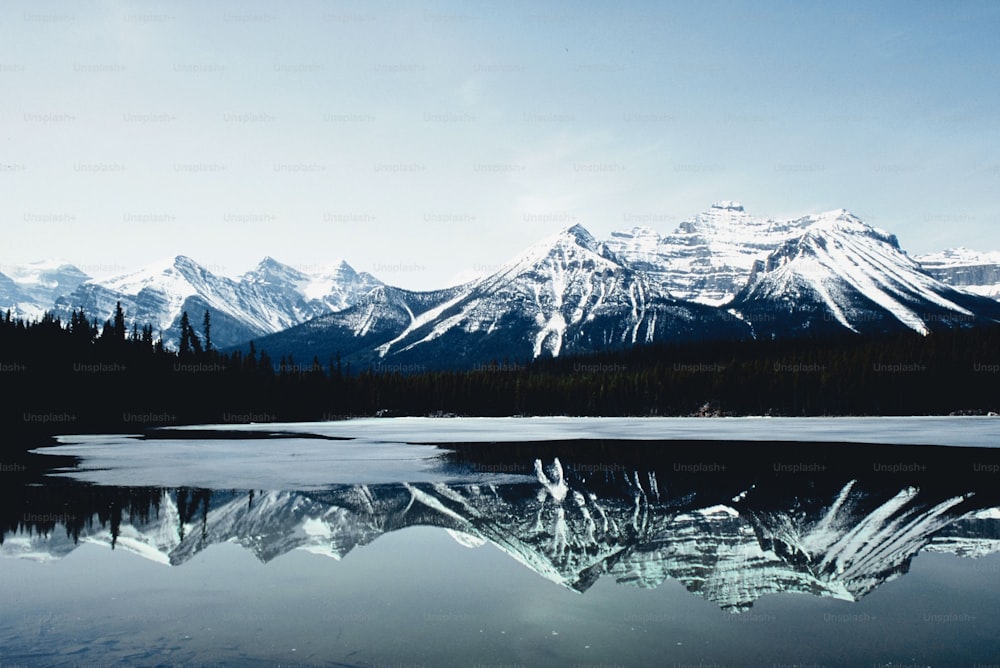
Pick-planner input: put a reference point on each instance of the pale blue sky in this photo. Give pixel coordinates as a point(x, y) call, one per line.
point(419, 140)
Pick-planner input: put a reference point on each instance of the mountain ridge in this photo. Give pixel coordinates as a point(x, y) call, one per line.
point(571, 293)
point(269, 298)
point(721, 274)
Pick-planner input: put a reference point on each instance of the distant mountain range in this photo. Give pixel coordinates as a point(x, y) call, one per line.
point(28, 290)
point(270, 298)
point(722, 274)
point(970, 270)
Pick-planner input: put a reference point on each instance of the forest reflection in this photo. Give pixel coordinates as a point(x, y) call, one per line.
point(730, 522)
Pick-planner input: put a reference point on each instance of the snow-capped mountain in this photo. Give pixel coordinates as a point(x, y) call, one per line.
point(722, 274)
point(967, 269)
point(356, 332)
point(826, 536)
point(324, 288)
point(818, 273)
point(568, 293)
point(267, 299)
point(28, 290)
point(842, 273)
point(571, 293)
point(709, 257)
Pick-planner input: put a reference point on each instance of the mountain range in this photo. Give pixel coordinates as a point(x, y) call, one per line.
point(269, 298)
point(722, 274)
point(28, 290)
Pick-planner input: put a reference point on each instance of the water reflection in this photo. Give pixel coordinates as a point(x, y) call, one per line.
point(730, 522)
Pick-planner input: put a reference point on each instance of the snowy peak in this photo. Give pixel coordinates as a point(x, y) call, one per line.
point(581, 236)
point(177, 275)
point(842, 222)
point(157, 294)
point(722, 219)
point(336, 285)
point(965, 269)
point(572, 293)
point(709, 257)
point(556, 264)
point(640, 235)
point(269, 298)
point(270, 271)
point(853, 276)
point(567, 293)
point(959, 257)
point(29, 290)
point(568, 242)
point(49, 274)
point(836, 269)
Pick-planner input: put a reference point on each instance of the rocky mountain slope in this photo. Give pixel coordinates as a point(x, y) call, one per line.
point(270, 298)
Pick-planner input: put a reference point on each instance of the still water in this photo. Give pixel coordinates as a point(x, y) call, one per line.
point(517, 543)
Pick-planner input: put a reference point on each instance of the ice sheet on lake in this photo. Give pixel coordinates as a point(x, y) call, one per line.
point(401, 449)
point(956, 431)
point(285, 463)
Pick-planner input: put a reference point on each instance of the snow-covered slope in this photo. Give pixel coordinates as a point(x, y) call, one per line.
point(841, 273)
point(814, 274)
point(322, 289)
point(709, 257)
point(722, 274)
point(973, 271)
point(355, 333)
point(565, 294)
point(270, 298)
point(571, 293)
point(28, 290)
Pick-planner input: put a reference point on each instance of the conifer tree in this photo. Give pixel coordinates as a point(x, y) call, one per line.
point(119, 326)
point(207, 328)
point(147, 337)
point(185, 343)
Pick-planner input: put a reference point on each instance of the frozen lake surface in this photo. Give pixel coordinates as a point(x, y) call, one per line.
point(959, 431)
point(514, 542)
point(392, 449)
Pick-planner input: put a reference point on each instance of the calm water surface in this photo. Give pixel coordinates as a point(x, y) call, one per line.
point(488, 550)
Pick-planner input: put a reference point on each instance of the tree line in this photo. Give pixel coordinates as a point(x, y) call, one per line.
point(85, 376)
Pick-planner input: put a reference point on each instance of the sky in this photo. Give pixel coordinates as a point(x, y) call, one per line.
point(425, 142)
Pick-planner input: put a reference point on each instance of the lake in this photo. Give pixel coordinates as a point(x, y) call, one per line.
point(508, 542)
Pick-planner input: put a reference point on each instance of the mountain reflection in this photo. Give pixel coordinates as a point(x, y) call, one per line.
point(731, 523)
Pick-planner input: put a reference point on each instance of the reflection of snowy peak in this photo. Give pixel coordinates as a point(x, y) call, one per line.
point(859, 541)
point(272, 523)
point(842, 542)
point(270, 298)
point(975, 535)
